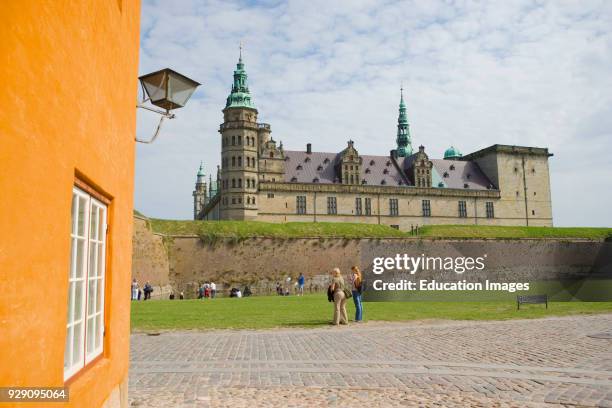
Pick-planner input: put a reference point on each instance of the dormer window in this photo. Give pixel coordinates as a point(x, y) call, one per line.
point(326, 161)
point(383, 182)
point(315, 180)
point(469, 175)
point(386, 171)
point(287, 158)
point(452, 167)
point(367, 170)
point(293, 179)
point(445, 175)
point(271, 155)
point(299, 167)
point(336, 180)
point(307, 159)
point(319, 167)
point(440, 184)
point(388, 163)
point(363, 181)
point(466, 185)
point(399, 183)
point(372, 162)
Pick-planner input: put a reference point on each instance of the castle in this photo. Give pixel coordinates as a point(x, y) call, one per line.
point(259, 180)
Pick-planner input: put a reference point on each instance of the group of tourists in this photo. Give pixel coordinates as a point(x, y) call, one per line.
point(298, 286)
point(207, 290)
point(339, 291)
point(137, 292)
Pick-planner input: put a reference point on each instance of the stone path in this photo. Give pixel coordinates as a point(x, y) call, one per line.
point(525, 363)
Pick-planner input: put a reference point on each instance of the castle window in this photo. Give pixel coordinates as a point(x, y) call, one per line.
point(358, 206)
point(300, 203)
point(239, 200)
point(271, 155)
point(270, 195)
point(533, 170)
point(368, 206)
point(352, 179)
point(462, 209)
point(248, 200)
point(426, 207)
point(393, 207)
point(351, 158)
point(233, 161)
point(239, 161)
point(233, 140)
point(517, 193)
point(233, 183)
point(86, 287)
point(532, 212)
point(534, 193)
point(489, 208)
point(346, 168)
point(233, 200)
point(239, 140)
point(239, 183)
point(516, 169)
point(253, 200)
point(332, 205)
point(383, 182)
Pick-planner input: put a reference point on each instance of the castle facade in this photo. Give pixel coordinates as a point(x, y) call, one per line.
point(259, 180)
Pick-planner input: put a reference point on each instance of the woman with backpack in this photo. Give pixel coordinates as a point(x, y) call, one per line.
point(357, 289)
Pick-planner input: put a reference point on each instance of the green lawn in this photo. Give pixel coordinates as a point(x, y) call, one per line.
point(213, 230)
point(314, 310)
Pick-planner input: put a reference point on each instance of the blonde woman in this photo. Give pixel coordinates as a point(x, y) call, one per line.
point(356, 286)
point(338, 287)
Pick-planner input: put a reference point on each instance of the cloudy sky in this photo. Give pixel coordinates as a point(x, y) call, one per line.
point(532, 73)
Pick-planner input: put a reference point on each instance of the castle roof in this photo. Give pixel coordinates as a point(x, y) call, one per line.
point(302, 167)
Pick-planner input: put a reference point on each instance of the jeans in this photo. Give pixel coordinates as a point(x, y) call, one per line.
point(358, 306)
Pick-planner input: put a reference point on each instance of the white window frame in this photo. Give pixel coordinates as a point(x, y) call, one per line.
point(87, 313)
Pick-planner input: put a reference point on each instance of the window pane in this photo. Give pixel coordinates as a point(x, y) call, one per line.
point(102, 225)
point(99, 295)
point(80, 255)
point(91, 299)
point(81, 217)
point(101, 259)
point(73, 211)
point(77, 343)
point(79, 298)
point(99, 331)
point(93, 222)
point(73, 257)
point(70, 308)
point(93, 253)
point(90, 334)
point(68, 348)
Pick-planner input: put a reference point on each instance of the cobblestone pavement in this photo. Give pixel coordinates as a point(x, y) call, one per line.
point(520, 363)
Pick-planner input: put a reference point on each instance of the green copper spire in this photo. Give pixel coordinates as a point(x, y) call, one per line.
point(240, 96)
point(404, 142)
point(201, 170)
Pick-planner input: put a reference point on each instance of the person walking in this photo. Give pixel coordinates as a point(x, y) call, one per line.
point(357, 289)
point(134, 289)
point(301, 280)
point(338, 288)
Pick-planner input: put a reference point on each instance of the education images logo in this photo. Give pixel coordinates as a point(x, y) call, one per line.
point(458, 265)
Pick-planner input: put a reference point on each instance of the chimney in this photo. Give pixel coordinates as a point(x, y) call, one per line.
point(308, 148)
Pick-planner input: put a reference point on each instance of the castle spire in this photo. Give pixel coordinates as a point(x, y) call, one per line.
point(240, 97)
point(404, 142)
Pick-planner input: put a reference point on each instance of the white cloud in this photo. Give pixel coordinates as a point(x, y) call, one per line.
point(527, 73)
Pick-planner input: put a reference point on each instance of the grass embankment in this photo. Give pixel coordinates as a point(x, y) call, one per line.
point(246, 229)
point(314, 310)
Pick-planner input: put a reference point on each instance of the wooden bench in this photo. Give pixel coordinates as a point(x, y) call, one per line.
point(533, 299)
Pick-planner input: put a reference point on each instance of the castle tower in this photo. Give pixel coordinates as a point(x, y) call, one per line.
point(240, 138)
point(199, 194)
point(404, 141)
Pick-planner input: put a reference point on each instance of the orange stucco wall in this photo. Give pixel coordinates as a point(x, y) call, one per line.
point(68, 90)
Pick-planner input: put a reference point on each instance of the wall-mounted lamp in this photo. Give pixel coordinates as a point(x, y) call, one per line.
point(168, 90)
